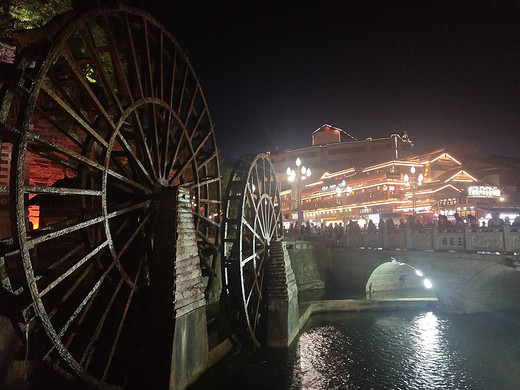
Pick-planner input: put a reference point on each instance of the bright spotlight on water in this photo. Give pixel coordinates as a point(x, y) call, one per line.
point(427, 283)
point(418, 272)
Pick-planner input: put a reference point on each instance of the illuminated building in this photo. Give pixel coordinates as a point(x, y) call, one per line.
point(380, 191)
point(333, 149)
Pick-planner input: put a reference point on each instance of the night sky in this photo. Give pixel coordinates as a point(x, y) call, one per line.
point(446, 72)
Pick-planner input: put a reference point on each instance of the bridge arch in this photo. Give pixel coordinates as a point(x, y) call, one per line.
point(374, 271)
point(395, 275)
point(493, 287)
point(462, 282)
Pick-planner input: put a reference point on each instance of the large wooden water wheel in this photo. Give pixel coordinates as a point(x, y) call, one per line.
point(100, 114)
point(252, 222)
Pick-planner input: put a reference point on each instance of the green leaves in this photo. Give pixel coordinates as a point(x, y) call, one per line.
point(28, 14)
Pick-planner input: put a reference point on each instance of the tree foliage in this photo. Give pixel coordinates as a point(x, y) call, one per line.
point(27, 14)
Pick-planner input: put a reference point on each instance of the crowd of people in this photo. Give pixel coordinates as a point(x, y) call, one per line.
point(338, 230)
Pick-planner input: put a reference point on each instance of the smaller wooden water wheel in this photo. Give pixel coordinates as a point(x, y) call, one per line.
point(252, 221)
point(97, 122)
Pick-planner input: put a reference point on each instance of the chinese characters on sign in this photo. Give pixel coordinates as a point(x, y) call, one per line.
point(483, 192)
point(452, 241)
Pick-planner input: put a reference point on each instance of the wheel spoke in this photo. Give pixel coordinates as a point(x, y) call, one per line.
point(81, 306)
point(89, 350)
point(251, 228)
point(143, 143)
point(64, 231)
point(73, 112)
point(161, 64)
point(72, 269)
point(60, 191)
point(173, 85)
point(193, 155)
point(133, 55)
point(121, 323)
point(115, 55)
point(100, 68)
point(258, 301)
point(86, 86)
point(157, 157)
point(107, 118)
point(132, 237)
point(128, 149)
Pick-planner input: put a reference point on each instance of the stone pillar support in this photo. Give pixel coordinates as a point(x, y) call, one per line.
point(507, 238)
point(435, 235)
point(467, 238)
point(384, 233)
point(282, 298)
point(190, 340)
point(408, 237)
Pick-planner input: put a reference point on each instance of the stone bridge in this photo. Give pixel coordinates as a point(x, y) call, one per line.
point(469, 270)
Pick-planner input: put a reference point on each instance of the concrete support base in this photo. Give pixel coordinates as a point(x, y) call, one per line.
point(282, 298)
point(190, 349)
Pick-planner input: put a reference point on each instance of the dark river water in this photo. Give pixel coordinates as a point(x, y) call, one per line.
point(405, 349)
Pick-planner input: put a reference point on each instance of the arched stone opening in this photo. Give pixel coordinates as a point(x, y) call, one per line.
point(399, 277)
point(493, 288)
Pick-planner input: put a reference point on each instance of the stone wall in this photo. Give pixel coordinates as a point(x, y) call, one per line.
point(309, 260)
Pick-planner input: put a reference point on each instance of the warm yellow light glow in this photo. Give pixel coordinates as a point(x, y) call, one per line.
point(358, 205)
point(461, 172)
point(437, 190)
point(391, 163)
point(316, 183)
point(328, 175)
point(446, 156)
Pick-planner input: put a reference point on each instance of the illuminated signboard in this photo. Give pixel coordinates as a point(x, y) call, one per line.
point(483, 192)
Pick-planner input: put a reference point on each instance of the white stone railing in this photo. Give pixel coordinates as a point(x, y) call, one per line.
point(503, 240)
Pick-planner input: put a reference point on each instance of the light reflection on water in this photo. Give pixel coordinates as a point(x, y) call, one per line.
point(384, 350)
point(405, 350)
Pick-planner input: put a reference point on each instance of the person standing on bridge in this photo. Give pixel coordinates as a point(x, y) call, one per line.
point(371, 227)
point(495, 221)
point(516, 223)
point(444, 223)
point(459, 223)
point(473, 224)
point(390, 225)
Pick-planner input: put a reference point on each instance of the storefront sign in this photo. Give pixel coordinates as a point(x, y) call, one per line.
point(365, 211)
point(483, 192)
point(448, 202)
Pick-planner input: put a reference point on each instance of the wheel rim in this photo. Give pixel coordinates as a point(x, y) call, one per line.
point(252, 220)
point(116, 107)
